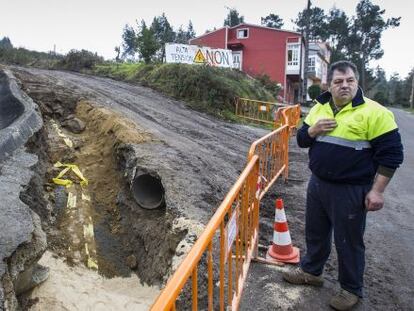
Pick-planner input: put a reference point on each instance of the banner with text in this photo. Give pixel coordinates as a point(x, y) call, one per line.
point(193, 54)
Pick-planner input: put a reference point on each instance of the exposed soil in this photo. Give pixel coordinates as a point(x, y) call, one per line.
point(97, 225)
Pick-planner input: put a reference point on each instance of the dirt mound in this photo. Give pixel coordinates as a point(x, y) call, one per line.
point(102, 121)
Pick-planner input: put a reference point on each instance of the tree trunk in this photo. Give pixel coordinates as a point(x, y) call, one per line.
point(362, 78)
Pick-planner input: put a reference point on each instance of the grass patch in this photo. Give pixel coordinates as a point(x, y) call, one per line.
point(204, 88)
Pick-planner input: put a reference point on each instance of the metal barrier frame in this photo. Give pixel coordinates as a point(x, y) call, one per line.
point(241, 205)
point(273, 152)
point(237, 222)
point(256, 110)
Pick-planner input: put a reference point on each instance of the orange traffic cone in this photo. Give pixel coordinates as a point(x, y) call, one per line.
point(282, 250)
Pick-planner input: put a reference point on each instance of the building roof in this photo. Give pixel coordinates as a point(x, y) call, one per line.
point(264, 27)
point(249, 25)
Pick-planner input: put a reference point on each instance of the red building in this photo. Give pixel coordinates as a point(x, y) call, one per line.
point(261, 50)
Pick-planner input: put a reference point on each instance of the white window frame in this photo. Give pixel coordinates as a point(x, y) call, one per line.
point(295, 48)
point(242, 29)
point(240, 54)
point(312, 63)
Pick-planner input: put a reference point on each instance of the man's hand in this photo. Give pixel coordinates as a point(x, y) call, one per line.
point(374, 200)
point(322, 127)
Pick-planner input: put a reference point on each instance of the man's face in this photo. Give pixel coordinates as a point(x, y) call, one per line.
point(343, 87)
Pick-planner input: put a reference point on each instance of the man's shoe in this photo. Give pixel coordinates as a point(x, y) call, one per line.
point(344, 300)
point(300, 277)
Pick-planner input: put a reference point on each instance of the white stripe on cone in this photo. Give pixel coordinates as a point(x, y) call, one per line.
point(280, 215)
point(281, 238)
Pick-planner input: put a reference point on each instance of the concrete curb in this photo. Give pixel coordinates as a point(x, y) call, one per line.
point(25, 125)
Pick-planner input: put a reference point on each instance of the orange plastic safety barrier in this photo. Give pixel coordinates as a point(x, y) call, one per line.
point(235, 223)
point(289, 115)
point(273, 152)
point(235, 226)
point(257, 111)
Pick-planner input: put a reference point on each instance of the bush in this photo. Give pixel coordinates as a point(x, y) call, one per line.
point(314, 91)
point(24, 57)
point(268, 84)
point(79, 60)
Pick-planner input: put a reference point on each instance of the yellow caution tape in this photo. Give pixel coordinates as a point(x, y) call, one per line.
point(71, 200)
point(67, 140)
point(85, 197)
point(92, 264)
point(66, 182)
point(88, 231)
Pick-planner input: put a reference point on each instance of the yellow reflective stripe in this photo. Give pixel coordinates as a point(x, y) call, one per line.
point(356, 144)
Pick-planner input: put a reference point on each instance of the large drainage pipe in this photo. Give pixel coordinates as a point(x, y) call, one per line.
point(148, 191)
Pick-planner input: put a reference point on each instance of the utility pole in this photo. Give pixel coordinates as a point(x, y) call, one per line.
point(412, 94)
point(305, 69)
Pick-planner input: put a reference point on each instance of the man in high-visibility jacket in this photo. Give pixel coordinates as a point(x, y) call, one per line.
point(354, 149)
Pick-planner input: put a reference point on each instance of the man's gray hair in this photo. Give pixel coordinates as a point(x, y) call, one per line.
point(342, 66)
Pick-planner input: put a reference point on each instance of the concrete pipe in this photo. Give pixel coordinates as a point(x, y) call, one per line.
point(148, 191)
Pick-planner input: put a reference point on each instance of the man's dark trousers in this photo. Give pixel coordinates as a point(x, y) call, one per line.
point(338, 207)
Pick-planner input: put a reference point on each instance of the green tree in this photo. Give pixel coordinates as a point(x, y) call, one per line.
point(317, 23)
point(272, 20)
point(190, 30)
point(183, 36)
point(146, 43)
point(163, 33)
point(117, 50)
point(367, 27)
point(129, 41)
point(380, 90)
point(338, 30)
point(5, 43)
point(233, 18)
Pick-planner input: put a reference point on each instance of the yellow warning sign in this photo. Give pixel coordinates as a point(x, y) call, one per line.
point(199, 57)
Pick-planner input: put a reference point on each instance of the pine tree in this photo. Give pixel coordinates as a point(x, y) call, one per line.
point(147, 43)
point(317, 23)
point(233, 18)
point(129, 44)
point(272, 20)
point(367, 28)
point(163, 33)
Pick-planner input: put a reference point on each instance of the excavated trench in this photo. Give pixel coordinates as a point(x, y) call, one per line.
point(117, 223)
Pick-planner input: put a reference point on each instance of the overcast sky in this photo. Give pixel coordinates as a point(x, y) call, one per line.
point(97, 25)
